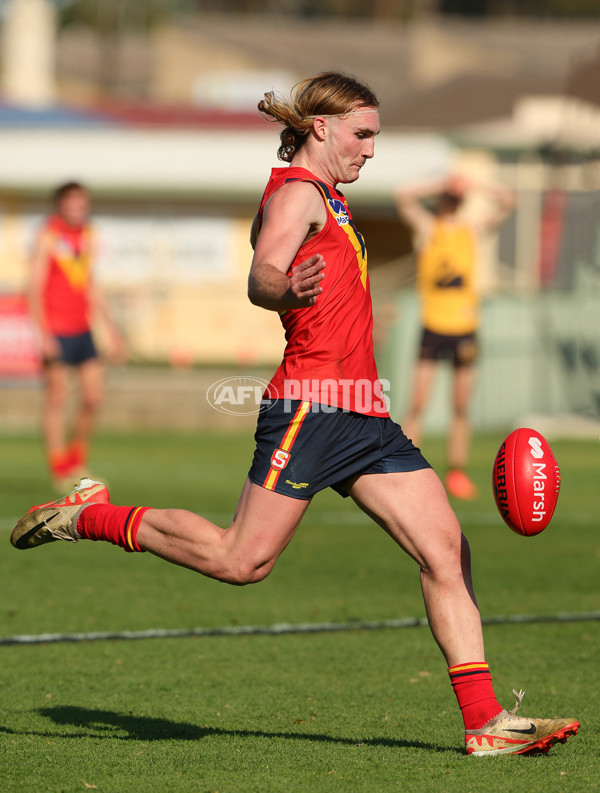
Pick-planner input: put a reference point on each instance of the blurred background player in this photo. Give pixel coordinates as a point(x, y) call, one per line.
point(447, 281)
point(64, 301)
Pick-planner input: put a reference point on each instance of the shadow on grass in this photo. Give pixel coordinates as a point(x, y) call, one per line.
point(128, 727)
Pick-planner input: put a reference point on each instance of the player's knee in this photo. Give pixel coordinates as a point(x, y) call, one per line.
point(56, 402)
point(461, 410)
point(92, 402)
point(416, 408)
point(445, 559)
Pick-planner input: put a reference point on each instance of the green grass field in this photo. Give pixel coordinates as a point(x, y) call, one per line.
point(356, 711)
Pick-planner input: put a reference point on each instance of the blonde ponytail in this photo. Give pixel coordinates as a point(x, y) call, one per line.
point(326, 94)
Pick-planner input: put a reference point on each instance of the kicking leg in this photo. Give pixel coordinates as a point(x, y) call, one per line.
point(263, 524)
point(245, 552)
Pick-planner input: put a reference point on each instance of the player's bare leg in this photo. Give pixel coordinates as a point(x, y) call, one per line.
point(423, 377)
point(413, 509)
point(263, 524)
point(90, 376)
point(459, 436)
point(54, 403)
point(53, 418)
point(91, 392)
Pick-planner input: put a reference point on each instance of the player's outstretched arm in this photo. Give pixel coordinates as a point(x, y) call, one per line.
point(293, 215)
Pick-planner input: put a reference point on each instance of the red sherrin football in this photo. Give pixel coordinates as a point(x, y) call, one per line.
point(526, 482)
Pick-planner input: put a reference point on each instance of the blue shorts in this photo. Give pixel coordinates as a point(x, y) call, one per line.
point(75, 350)
point(304, 447)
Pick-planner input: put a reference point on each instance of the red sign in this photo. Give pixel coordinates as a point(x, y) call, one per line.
point(19, 345)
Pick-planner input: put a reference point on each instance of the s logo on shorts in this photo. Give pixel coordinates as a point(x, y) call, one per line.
point(279, 459)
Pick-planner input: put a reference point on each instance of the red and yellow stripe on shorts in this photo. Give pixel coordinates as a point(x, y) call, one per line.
point(281, 455)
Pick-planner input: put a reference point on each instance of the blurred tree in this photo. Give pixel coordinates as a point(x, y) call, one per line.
point(470, 8)
point(378, 9)
point(531, 8)
point(108, 15)
point(110, 20)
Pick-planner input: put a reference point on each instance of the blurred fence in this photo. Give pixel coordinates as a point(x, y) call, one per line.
point(540, 360)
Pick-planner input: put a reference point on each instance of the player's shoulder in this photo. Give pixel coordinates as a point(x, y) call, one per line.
point(295, 198)
point(46, 235)
point(299, 188)
point(50, 228)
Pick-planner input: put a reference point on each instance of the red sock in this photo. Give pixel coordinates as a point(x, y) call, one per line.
point(107, 522)
point(78, 454)
point(472, 684)
point(59, 462)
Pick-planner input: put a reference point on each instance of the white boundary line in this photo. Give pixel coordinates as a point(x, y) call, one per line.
point(282, 628)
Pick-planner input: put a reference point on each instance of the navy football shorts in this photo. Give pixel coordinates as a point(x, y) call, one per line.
point(459, 350)
point(304, 447)
point(75, 350)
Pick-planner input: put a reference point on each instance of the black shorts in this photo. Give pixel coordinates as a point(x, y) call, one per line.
point(75, 350)
point(459, 350)
point(304, 447)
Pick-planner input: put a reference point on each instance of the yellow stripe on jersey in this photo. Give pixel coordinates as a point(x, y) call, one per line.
point(271, 479)
point(76, 266)
point(287, 442)
point(361, 252)
point(292, 431)
point(335, 205)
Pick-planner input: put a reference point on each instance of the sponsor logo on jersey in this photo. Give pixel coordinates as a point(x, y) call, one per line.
point(339, 211)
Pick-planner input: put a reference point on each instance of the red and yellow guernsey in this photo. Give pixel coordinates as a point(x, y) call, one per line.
point(329, 353)
point(66, 291)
